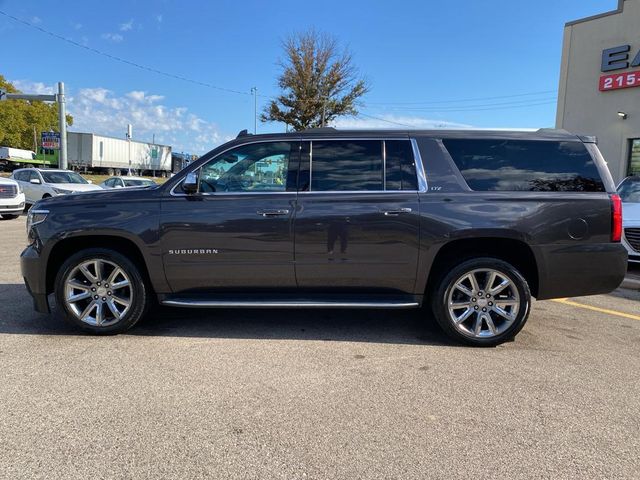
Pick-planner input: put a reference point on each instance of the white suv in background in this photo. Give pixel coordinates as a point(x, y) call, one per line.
point(11, 199)
point(38, 183)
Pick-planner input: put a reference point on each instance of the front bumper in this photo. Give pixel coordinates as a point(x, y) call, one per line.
point(35, 278)
point(12, 206)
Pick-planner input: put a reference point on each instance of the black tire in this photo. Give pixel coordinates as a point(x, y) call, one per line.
point(503, 329)
point(139, 291)
point(9, 217)
point(46, 195)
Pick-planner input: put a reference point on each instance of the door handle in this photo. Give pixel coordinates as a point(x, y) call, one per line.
point(395, 213)
point(272, 213)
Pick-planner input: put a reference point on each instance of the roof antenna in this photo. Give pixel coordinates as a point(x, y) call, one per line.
point(244, 133)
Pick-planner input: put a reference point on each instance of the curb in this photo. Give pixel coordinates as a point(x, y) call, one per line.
point(630, 283)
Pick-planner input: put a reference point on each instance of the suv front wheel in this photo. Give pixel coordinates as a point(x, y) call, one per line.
point(101, 291)
point(482, 302)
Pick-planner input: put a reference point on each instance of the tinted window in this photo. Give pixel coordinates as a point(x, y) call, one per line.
point(20, 176)
point(346, 165)
point(516, 165)
point(62, 177)
point(257, 167)
point(634, 157)
point(400, 166)
point(138, 182)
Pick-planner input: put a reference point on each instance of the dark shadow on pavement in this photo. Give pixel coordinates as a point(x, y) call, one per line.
point(378, 326)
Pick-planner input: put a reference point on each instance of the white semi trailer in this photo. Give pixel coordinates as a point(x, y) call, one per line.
point(113, 156)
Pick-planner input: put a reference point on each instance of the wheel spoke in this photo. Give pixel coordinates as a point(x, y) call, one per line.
point(88, 275)
point(464, 290)
point(503, 313)
point(459, 305)
point(121, 301)
point(466, 314)
point(99, 315)
point(121, 284)
point(490, 324)
point(87, 310)
point(114, 310)
point(77, 285)
point(474, 282)
point(491, 278)
point(477, 328)
point(79, 296)
point(501, 286)
point(112, 277)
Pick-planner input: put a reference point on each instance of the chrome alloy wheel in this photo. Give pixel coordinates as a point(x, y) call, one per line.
point(483, 303)
point(98, 292)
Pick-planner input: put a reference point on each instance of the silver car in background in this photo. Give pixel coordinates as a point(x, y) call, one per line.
point(629, 191)
point(127, 182)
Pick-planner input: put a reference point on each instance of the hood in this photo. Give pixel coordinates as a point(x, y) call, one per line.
point(75, 187)
point(631, 214)
point(7, 181)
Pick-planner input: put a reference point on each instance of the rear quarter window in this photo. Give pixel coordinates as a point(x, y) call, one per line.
point(525, 165)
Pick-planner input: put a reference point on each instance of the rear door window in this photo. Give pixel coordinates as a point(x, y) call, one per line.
point(525, 165)
point(400, 166)
point(346, 165)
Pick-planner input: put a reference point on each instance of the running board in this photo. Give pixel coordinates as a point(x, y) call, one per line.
point(202, 303)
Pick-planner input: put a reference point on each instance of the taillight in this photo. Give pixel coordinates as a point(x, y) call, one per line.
point(616, 218)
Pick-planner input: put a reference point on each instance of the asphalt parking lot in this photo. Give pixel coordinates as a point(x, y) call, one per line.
point(316, 394)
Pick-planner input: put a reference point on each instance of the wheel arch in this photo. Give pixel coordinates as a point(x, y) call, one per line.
point(511, 250)
point(66, 247)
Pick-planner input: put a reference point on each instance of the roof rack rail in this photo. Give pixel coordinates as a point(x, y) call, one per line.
point(320, 129)
point(244, 133)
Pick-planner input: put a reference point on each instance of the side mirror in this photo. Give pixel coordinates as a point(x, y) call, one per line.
point(190, 184)
point(35, 181)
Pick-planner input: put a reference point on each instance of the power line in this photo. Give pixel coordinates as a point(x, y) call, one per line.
point(122, 60)
point(436, 102)
point(455, 108)
point(360, 114)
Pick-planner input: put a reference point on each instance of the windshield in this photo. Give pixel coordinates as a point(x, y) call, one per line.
point(62, 177)
point(629, 190)
point(139, 183)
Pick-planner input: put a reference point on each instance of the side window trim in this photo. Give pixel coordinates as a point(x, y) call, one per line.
point(417, 158)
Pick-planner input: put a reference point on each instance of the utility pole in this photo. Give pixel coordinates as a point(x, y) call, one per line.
point(62, 120)
point(254, 90)
point(129, 135)
point(62, 111)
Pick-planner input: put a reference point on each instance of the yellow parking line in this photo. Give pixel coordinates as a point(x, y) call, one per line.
point(597, 309)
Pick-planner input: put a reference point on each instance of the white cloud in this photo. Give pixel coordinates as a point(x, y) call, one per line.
point(112, 37)
point(38, 88)
point(395, 121)
point(99, 110)
point(125, 27)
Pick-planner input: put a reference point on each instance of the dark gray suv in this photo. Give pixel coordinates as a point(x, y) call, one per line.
point(467, 224)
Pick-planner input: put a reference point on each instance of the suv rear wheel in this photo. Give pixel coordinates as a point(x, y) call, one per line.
point(482, 302)
point(101, 291)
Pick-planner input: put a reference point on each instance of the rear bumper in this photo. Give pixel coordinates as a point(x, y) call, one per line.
point(34, 274)
point(577, 270)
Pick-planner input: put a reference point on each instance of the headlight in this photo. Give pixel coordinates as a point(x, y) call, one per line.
point(35, 217)
point(61, 191)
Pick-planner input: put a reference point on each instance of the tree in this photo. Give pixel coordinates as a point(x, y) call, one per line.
point(318, 82)
point(19, 117)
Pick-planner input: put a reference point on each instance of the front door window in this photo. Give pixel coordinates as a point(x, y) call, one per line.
point(258, 167)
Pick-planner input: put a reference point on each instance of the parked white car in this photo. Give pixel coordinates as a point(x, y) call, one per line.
point(11, 199)
point(38, 183)
point(127, 182)
point(629, 191)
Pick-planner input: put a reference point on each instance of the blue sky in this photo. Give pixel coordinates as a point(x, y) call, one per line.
point(424, 60)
